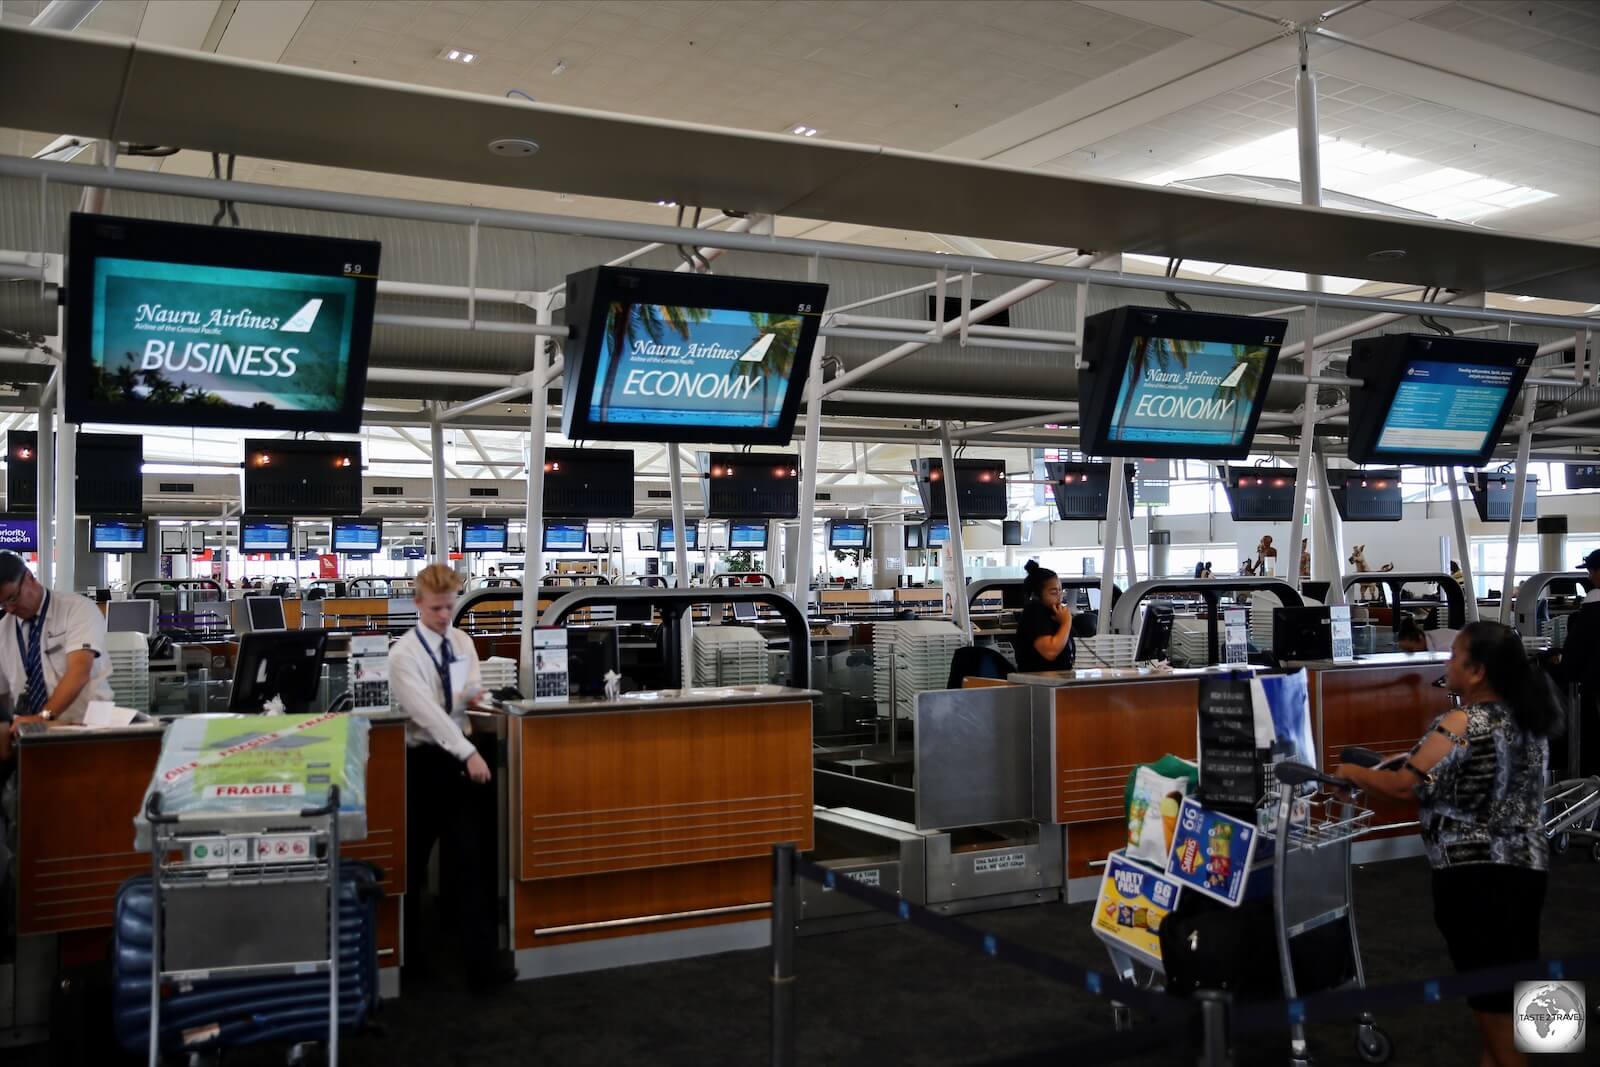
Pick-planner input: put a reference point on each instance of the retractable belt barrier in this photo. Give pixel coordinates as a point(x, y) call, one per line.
point(1245, 1017)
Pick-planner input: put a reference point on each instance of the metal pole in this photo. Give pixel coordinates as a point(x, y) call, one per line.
point(1308, 433)
point(1305, 96)
point(1108, 556)
point(952, 511)
point(65, 534)
point(1127, 544)
point(1463, 547)
point(808, 469)
point(441, 506)
point(680, 557)
point(1333, 539)
point(45, 455)
point(783, 976)
point(533, 540)
point(1519, 491)
point(1214, 1027)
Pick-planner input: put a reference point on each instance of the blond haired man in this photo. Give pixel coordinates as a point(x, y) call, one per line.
point(433, 671)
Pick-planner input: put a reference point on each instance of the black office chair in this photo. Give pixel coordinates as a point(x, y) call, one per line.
point(975, 661)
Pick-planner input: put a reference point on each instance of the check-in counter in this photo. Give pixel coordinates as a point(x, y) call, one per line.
point(1090, 729)
point(642, 828)
point(1384, 703)
point(78, 790)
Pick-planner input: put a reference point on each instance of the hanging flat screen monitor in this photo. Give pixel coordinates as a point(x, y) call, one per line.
point(936, 535)
point(175, 324)
point(264, 535)
point(914, 537)
point(302, 477)
point(116, 535)
point(1492, 492)
point(747, 536)
point(664, 542)
point(750, 485)
point(1583, 475)
point(1083, 490)
point(1168, 384)
point(1369, 496)
point(19, 533)
point(110, 474)
point(980, 487)
point(664, 356)
point(1430, 399)
point(483, 535)
point(1011, 532)
point(357, 535)
point(847, 535)
point(1259, 494)
point(565, 536)
point(588, 483)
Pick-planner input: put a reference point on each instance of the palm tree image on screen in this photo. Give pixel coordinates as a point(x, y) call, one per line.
point(630, 327)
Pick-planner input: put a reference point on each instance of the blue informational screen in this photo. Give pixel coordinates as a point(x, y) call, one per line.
point(693, 365)
point(352, 536)
point(483, 535)
point(747, 536)
point(116, 535)
point(1178, 391)
point(1445, 407)
point(664, 540)
point(264, 535)
point(19, 533)
point(938, 535)
point(565, 536)
point(847, 535)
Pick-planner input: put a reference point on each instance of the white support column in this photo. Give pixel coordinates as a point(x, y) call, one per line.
point(533, 540)
point(1308, 426)
point(680, 558)
point(1519, 491)
point(64, 536)
point(1463, 547)
point(441, 505)
point(45, 455)
point(808, 470)
point(952, 510)
point(1305, 96)
point(1128, 556)
point(1115, 506)
point(1327, 561)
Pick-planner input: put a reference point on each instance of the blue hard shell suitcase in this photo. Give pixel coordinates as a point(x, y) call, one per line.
point(223, 1013)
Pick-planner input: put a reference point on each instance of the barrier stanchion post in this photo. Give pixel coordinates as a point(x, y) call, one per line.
point(783, 920)
point(1214, 1028)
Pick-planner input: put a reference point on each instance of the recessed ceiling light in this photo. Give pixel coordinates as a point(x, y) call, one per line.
point(514, 147)
point(800, 129)
point(457, 55)
point(666, 203)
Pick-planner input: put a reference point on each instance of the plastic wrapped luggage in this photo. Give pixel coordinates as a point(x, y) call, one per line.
point(223, 1012)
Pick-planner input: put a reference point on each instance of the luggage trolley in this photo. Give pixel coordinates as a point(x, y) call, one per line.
point(1312, 883)
point(1572, 813)
point(244, 896)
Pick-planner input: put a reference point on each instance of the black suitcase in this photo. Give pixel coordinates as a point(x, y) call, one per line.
point(220, 1013)
point(1207, 945)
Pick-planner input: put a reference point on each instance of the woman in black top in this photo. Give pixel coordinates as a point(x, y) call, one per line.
point(1044, 633)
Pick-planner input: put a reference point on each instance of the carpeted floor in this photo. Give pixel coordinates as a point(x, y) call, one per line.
point(896, 995)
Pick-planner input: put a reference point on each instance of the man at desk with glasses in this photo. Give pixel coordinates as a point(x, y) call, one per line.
point(53, 659)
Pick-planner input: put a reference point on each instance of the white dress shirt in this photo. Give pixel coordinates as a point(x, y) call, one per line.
point(71, 623)
point(414, 678)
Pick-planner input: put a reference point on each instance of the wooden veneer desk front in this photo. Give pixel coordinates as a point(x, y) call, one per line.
point(642, 828)
point(1090, 729)
point(78, 790)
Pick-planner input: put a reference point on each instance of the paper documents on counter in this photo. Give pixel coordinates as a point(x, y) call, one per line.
point(105, 713)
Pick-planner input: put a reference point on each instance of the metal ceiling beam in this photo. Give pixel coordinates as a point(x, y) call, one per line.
point(472, 439)
point(407, 436)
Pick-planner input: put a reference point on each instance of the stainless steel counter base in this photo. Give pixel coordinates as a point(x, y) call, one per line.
point(604, 954)
point(1006, 874)
point(874, 850)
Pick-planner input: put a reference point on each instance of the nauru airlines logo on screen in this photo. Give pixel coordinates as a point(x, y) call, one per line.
point(302, 321)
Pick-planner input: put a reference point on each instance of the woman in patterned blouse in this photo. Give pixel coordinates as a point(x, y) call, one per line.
point(1478, 777)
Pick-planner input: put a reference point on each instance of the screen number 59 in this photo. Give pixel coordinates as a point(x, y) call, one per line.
point(352, 268)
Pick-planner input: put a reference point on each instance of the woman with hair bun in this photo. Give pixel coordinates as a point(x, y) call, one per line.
point(1044, 633)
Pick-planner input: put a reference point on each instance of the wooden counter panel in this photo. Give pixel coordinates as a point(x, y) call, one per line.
point(637, 902)
point(1385, 709)
point(1103, 731)
point(1092, 842)
point(972, 682)
point(627, 791)
point(76, 802)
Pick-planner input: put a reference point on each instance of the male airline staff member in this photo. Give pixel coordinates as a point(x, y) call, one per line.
point(52, 648)
point(433, 671)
